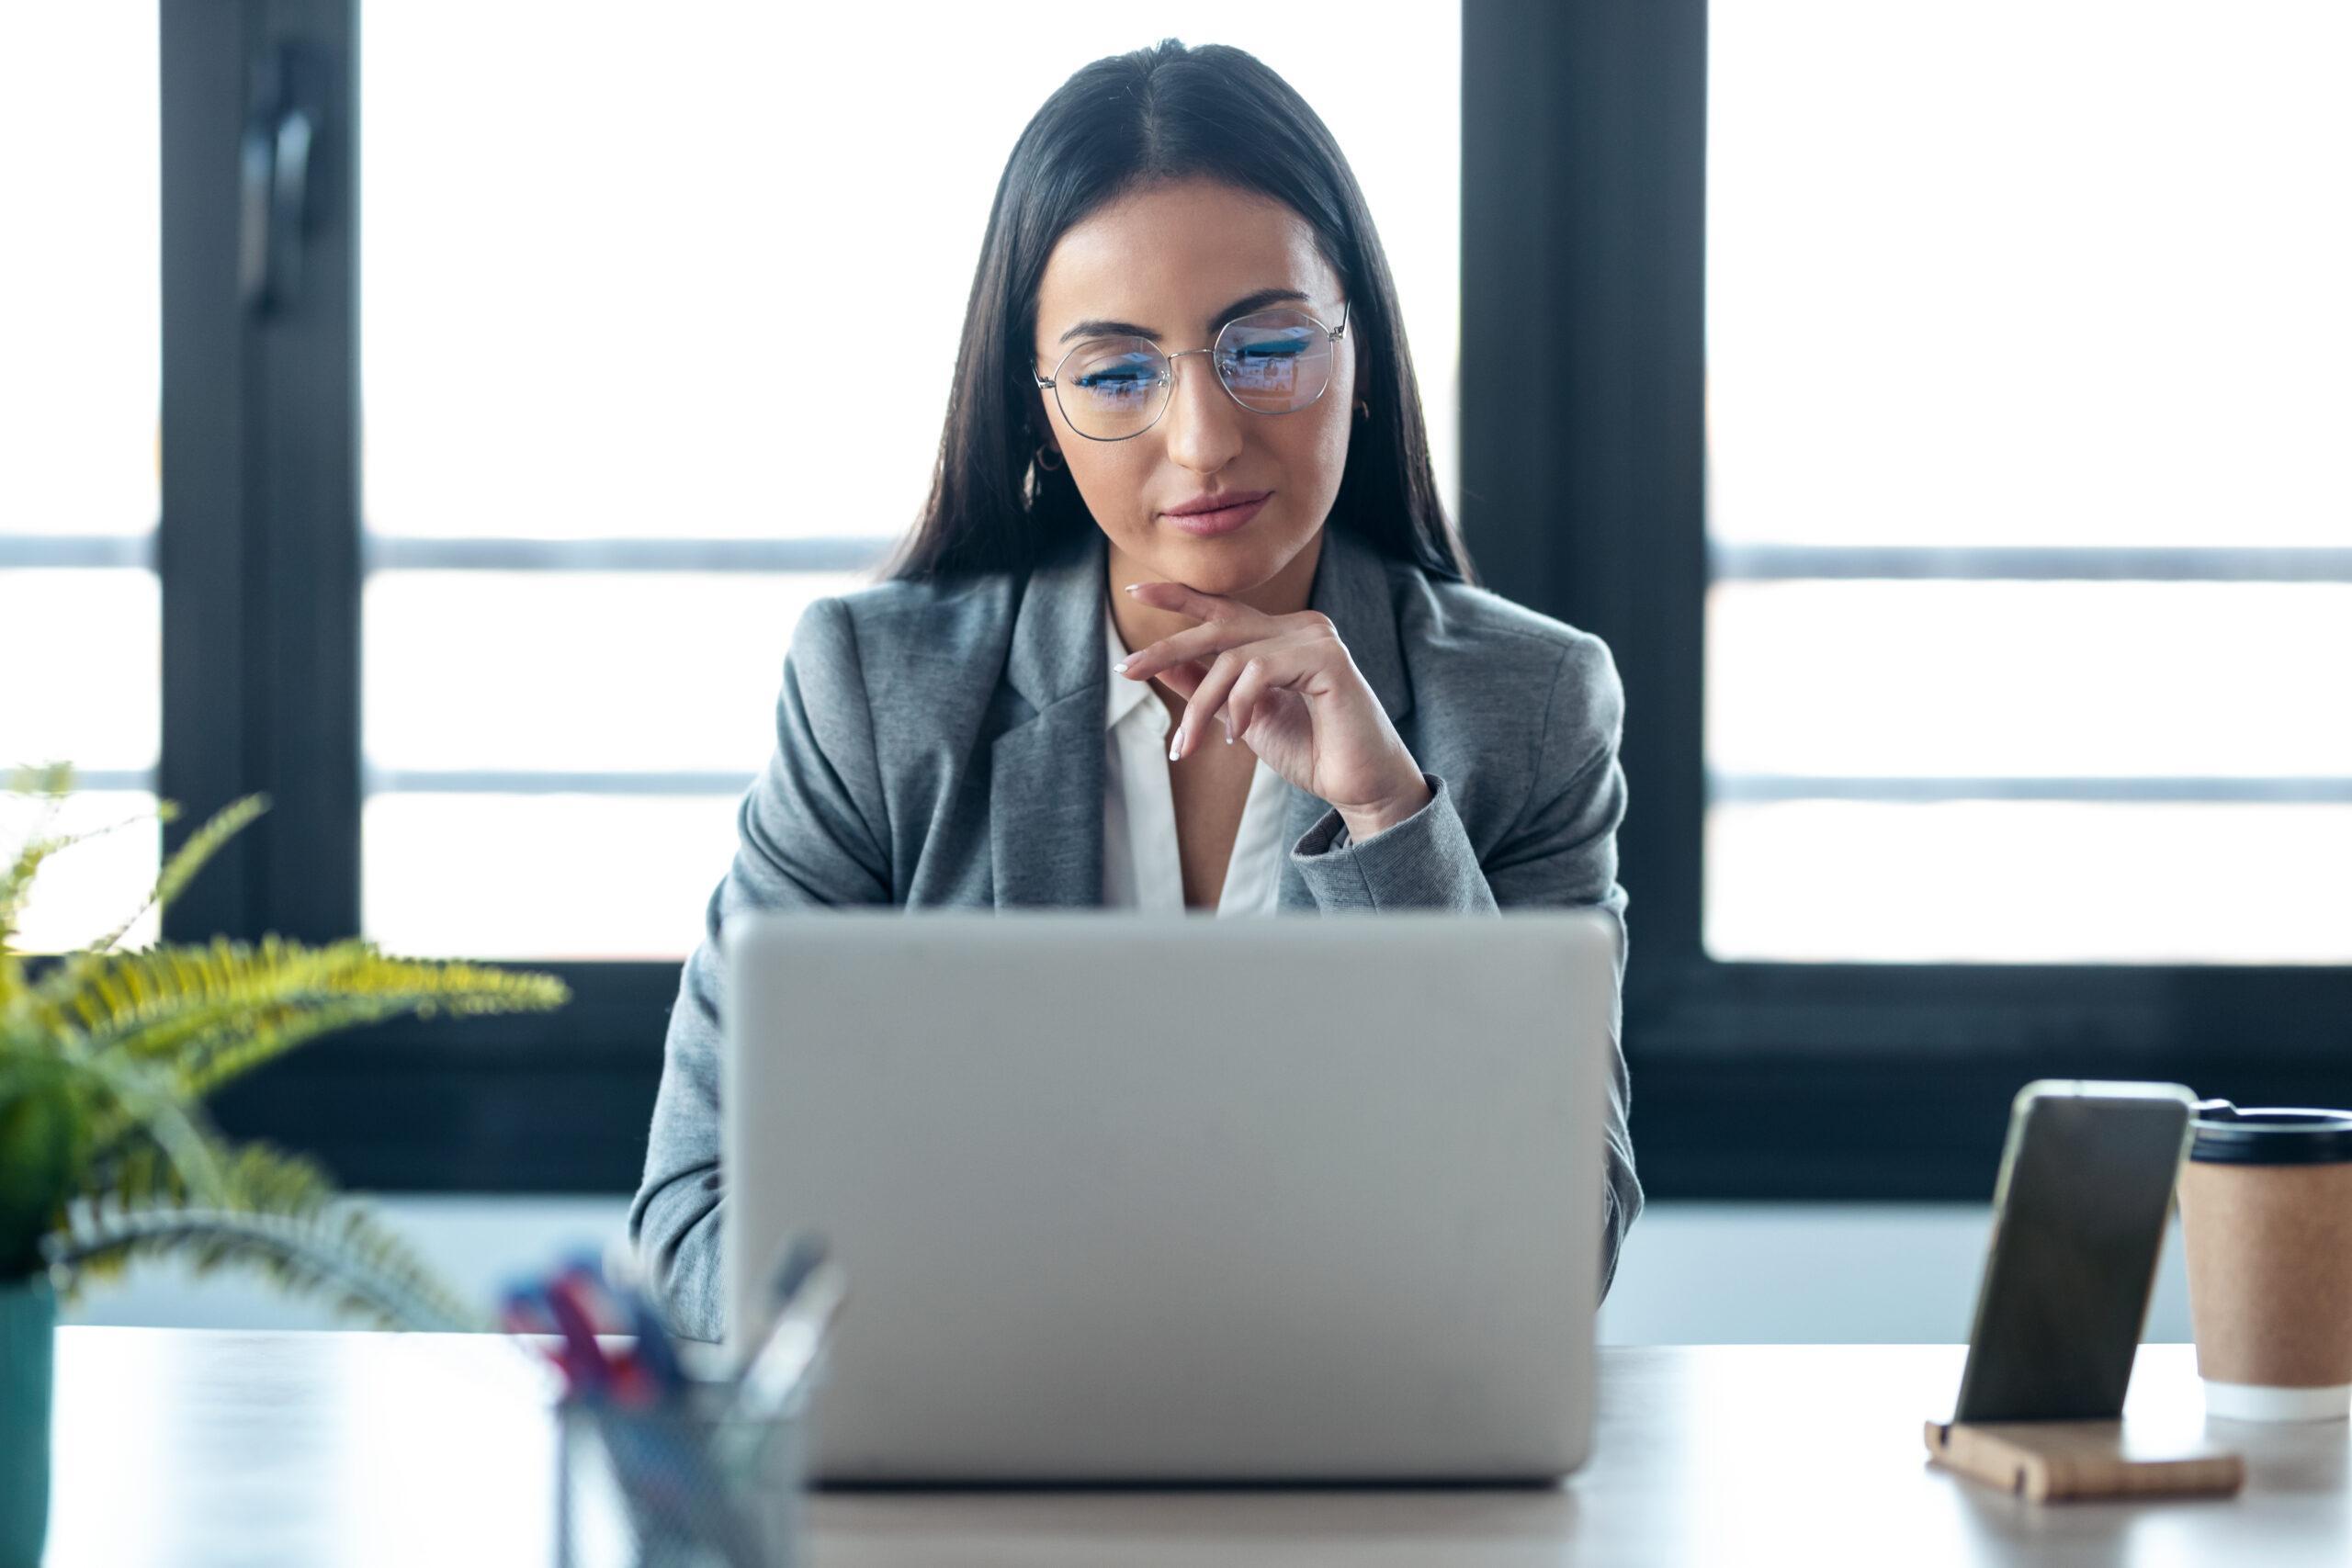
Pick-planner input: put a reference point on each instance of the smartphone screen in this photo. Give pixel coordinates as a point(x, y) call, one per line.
point(2080, 1212)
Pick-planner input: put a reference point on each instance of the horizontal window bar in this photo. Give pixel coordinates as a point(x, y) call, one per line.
point(1752, 563)
point(1727, 788)
point(492, 781)
point(77, 549)
point(384, 552)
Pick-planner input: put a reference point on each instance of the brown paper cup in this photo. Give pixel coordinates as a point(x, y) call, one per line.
point(2265, 1208)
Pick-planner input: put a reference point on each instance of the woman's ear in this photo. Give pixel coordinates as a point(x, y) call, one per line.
point(1041, 436)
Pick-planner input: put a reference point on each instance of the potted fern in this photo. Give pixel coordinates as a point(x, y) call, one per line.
point(106, 1155)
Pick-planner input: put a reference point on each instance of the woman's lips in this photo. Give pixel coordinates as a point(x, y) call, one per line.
point(1203, 524)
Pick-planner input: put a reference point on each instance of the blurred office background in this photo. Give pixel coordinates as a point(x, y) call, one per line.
point(436, 415)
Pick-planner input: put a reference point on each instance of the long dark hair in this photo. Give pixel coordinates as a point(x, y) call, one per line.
point(1123, 122)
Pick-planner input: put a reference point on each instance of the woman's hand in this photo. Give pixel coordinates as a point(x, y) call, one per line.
point(1286, 687)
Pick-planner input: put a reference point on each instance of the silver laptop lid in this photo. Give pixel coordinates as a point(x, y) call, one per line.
point(1163, 1197)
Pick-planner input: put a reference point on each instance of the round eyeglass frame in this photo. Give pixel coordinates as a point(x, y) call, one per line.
point(1052, 383)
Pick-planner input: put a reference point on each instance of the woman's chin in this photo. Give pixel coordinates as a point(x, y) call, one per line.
point(1222, 563)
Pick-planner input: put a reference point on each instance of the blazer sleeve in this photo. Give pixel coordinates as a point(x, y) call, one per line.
point(1560, 852)
point(808, 834)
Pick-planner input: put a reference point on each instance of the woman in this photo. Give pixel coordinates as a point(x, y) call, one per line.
point(1184, 506)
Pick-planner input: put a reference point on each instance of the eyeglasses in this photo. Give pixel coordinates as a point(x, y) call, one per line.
point(1276, 361)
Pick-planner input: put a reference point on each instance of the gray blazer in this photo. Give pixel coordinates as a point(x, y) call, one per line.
point(941, 744)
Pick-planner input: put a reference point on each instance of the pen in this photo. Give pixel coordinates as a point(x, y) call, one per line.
point(523, 1313)
point(563, 1303)
point(612, 1278)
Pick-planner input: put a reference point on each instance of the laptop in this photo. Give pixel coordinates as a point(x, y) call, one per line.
point(1162, 1198)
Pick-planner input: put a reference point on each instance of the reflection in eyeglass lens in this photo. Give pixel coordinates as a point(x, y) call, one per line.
point(1274, 362)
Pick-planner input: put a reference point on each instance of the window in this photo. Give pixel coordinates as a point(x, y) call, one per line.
point(2025, 640)
point(505, 679)
point(1878, 329)
point(80, 368)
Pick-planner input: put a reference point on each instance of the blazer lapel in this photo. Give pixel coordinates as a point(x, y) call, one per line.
point(1045, 770)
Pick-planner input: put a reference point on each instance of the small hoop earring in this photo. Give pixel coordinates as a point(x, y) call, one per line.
point(1363, 409)
point(1054, 467)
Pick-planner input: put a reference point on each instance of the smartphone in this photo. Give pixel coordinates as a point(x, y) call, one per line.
point(2079, 1214)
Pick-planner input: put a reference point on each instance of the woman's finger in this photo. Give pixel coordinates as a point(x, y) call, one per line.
point(1184, 679)
point(1202, 643)
point(1202, 702)
point(1241, 703)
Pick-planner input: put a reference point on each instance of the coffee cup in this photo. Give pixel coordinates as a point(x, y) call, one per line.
point(2266, 1211)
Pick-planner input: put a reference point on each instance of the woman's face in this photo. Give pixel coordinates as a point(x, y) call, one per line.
point(1174, 259)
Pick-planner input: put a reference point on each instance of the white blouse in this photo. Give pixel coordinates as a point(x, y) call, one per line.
point(1141, 869)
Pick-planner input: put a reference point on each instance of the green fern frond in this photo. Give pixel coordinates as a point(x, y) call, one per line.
point(14, 987)
point(213, 1013)
point(105, 1153)
point(54, 782)
point(294, 1236)
point(68, 1122)
point(185, 862)
point(128, 1104)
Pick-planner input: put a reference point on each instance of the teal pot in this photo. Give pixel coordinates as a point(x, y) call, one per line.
point(28, 1344)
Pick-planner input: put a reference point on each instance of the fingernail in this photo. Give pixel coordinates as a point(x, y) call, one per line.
point(1120, 668)
point(1227, 720)
point(1177, 744)
point(1131, 587)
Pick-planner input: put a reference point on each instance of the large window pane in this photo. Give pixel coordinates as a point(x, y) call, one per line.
point(2031, 680)
point(81, 667)
point(80, 306)
point(80, 381)
point(579, 671)
point(2020, 273)
point(557, 876)
point(1995, 277)
point(619, 271)
point(2029, 882)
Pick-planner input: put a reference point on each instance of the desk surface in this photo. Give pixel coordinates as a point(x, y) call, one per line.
point(194, 1446)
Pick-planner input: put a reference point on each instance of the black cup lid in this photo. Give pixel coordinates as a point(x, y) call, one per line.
point(2276, 1135)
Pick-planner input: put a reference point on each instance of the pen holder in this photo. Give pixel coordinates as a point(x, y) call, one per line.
point(653, 1487)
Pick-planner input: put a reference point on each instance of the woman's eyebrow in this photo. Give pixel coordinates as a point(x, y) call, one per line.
point(1241, 307)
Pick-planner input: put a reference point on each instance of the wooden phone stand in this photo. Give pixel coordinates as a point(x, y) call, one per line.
point(2060, 1461)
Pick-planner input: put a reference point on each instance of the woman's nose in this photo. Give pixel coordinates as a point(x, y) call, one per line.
point(1202, 424)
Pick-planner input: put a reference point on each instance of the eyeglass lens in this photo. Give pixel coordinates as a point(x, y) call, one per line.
point(1273, 362)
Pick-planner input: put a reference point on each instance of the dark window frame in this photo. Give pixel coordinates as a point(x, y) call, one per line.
point(1583, 245)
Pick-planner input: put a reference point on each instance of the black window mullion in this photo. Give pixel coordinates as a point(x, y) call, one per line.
point(259, 548)
point(1583, 202)
point(202, 553)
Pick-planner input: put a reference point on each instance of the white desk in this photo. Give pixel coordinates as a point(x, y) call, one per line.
point(191, 1446)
